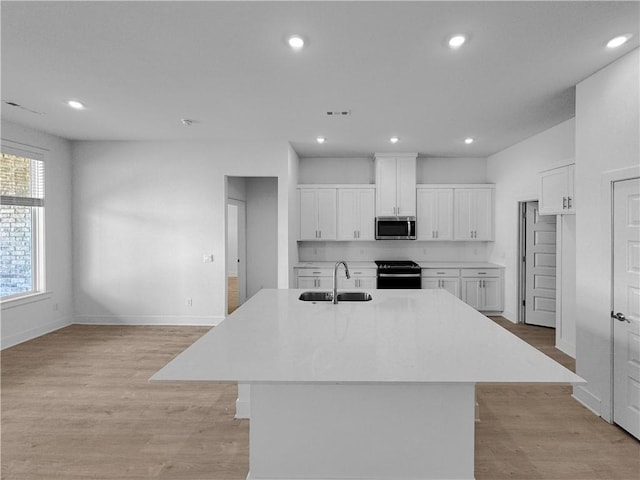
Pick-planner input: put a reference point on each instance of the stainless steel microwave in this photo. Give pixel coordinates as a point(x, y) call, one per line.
point(395, 228)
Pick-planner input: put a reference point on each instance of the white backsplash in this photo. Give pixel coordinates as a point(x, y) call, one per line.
point(393, 250)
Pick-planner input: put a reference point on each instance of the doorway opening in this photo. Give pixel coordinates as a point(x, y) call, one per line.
point(236, 254)
point(251, 238)
point(537, 272)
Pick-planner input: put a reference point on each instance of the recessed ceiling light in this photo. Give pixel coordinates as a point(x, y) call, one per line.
point(321, 139)
point(618, 41)
point(468, 140)
point(75, 104)
point(296, 42)
point(457, 41)
point(394, 139)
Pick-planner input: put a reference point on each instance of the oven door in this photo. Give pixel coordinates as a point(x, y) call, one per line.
point(399, 280)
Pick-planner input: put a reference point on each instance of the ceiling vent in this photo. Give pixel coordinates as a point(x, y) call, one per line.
point(338, 113)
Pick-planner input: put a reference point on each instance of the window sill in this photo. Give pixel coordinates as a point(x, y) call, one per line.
point(25, 299)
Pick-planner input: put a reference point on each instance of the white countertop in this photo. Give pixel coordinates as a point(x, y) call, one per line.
point(423, 264)
point(401, 336)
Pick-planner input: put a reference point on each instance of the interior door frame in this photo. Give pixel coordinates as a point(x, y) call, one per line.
point(608, 180)
point(522, 248)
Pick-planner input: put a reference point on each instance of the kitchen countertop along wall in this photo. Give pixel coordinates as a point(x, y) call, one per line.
point(421, 263)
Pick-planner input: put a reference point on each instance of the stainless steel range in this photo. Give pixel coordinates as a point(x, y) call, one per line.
point(398, 274)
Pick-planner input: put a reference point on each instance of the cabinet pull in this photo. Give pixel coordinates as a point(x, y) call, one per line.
point(316, 273)
point(441, 273)
point(564, 202)
point(358, 233)
point(569, 202)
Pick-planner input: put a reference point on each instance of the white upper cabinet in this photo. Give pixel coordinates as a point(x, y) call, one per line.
point(396, 185)
point(473, 214)
point(317, 213)
point(356, 214)
point(434, 219)
point(556, 191)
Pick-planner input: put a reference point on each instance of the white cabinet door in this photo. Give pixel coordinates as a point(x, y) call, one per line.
point(556, 191)
point(492, 294)
point(367, 214)
point(406, 187)
point(451, 285)
point(347, 214)
point(356, 214)
point(483, 294)
point(434, 214)
point(317, 214)
point(471, 292)
point(327, 213)
point(395, 186)
point(474, 214)
point(315, 283)
point(386, 185)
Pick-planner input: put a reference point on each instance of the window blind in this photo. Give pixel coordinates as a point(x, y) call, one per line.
point(21, 179)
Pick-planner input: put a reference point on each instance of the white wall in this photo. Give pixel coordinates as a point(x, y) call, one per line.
point(262, 234)
point(294, 215)
point(23, 321)
point(232, 240)
point(515, 173)
point(607, 126)
point(145, 213)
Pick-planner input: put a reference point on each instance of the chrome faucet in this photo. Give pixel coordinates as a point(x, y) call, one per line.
point(335, 278)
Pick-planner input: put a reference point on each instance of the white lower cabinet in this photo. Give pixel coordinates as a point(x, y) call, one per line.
point(315, 278)
point(482, 289)
point(445, 278)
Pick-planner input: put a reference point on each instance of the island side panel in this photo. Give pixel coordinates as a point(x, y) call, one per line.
point(364, 431)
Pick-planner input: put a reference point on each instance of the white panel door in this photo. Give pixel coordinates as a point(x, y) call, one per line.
point(491, 294)
point(471, 292)
point(626, 305)
point(444, 213)
point(540, 267)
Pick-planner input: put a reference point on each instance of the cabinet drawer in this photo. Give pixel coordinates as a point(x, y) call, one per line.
point(481, 272)
point(440, 272)
point(361, 272)
point(315, 272)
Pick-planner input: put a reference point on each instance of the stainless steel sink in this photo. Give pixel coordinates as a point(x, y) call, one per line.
point(354, 297)
point(328, 296)
point(316, 296)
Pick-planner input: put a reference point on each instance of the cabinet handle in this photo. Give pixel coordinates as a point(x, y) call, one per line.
point(358, 233)
point(568, 202)
point(317, 273)
point(564, 202)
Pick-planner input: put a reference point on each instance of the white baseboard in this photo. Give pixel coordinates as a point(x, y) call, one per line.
point(208, 320)
point(566, 348)
point(15, 339)
point(586, 398)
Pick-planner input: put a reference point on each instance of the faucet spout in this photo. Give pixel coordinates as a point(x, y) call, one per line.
point(335, 278)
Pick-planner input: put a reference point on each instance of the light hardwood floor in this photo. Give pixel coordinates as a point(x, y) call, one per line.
point(232, 294)
point(77, 404)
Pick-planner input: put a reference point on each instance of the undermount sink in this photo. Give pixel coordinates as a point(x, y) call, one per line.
point(328, 296)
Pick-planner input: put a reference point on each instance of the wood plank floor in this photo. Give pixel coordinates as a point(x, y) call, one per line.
point(77, 404)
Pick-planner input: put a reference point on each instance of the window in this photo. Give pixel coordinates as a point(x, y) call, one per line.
point(21, 223)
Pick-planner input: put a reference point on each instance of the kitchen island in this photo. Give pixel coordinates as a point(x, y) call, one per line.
point(383, 389)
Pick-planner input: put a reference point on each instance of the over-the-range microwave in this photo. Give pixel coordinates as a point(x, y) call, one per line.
point(395, 228)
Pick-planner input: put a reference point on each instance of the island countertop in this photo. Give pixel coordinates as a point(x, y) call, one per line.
point(401, 336)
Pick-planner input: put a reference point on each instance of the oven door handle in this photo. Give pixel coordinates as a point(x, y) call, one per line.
point(399, 275)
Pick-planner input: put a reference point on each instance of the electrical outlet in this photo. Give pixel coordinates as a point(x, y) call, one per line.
point(208, 258)
point(55, 307)
point(189, 302)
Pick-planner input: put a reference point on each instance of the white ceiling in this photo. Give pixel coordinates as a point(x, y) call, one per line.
point(142, 66)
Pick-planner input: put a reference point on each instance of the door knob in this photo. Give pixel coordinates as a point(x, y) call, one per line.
point(620, 316)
